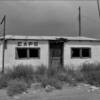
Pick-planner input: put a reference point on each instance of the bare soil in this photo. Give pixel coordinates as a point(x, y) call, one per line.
point(80, 92)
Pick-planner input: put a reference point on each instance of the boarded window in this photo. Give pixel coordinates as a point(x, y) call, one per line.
point(81, 52)
point(27, 53)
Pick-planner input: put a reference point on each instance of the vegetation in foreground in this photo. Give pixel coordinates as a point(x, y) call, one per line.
point(18, 79)
point(91, 73)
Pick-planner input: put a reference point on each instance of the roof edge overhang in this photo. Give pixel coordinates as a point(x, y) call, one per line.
point(48, 38)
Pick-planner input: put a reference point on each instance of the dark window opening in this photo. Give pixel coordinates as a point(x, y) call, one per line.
point(86, 52)
point(27, 53)
point(80, 52)
point(75, 52)
point(34, 53)
point(21, 53)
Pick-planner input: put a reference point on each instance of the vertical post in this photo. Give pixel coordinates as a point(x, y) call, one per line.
point(98, 7)
point(3, 55)
point(79, 21)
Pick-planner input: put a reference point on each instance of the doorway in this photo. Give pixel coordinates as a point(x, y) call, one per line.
point(56, 53)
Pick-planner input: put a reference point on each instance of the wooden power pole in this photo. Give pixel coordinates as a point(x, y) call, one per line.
point(3, 48)
point(79, 21)
point(98, 7)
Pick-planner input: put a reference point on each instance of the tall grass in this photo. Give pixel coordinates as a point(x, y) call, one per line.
point(91, 73)
point(16, 87)
point(53, 76)
point(21, 71)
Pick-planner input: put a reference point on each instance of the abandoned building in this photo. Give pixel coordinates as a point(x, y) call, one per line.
point(49, 50)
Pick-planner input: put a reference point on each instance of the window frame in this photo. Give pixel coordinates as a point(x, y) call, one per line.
point(80, 52)
point(28, 57)
point(72, 52)
point(34, 57)
point(16, 52)
point(89, 52)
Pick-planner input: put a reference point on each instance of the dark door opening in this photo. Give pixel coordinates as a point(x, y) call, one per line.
point(56, 53)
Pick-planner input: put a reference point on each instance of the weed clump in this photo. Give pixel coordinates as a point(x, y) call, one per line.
point(91, 73)
point(16, 87)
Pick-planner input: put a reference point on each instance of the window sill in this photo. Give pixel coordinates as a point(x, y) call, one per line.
point(26, 58)
point(80, 57)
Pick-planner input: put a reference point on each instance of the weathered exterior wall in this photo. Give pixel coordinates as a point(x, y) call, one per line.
point(0, 54)
point(76, 62)
point(10, 60)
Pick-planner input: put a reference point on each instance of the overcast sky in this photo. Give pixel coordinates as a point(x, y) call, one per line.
point(50, 17)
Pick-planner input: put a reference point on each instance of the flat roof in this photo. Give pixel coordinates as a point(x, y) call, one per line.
point(77, 38)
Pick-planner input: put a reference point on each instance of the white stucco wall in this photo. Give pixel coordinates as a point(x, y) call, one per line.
point(76, 62)
point(10, 60)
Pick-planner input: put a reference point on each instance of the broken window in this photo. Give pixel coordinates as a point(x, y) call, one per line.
point(75, 52)
point(80, 52)
point(21, 52)
point(27, 53)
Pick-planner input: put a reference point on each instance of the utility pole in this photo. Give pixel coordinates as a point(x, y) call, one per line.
point(98, 7)
point(3, 48)
point(79, 21)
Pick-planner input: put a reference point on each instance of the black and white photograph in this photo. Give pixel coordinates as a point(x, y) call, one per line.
point(49, 49)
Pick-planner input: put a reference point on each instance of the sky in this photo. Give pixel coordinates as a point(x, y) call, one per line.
point(38, 17)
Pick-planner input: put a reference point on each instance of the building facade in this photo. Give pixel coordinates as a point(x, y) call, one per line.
point(49, 51)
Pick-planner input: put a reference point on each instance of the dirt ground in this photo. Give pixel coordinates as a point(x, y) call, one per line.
point(80, 92)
